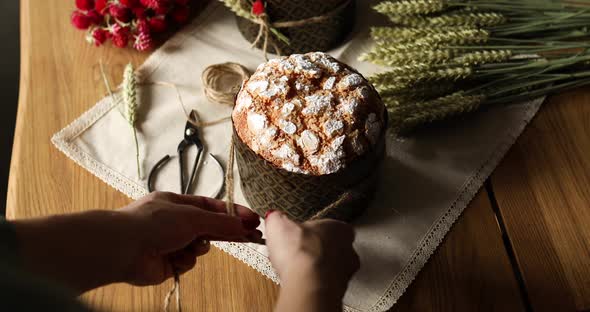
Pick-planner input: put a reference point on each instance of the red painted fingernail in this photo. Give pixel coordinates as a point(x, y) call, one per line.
point(268, 212)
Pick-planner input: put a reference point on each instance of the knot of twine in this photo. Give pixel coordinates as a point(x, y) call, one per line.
point(266, 27)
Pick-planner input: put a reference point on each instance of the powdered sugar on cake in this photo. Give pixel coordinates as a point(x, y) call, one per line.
point(308, 114)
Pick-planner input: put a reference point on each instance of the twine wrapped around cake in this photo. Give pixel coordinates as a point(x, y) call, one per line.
point(298, 26)
point(342, 195)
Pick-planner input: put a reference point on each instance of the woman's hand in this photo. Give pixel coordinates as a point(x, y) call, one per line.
point(141, 244)
point(315, 261)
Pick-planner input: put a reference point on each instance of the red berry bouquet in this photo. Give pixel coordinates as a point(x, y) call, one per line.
point(129, 22)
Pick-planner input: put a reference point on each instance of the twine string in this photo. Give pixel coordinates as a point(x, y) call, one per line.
point(175, 290)
point(213, 76)
point(215, 82)
point(266, 27)
point(264, 31)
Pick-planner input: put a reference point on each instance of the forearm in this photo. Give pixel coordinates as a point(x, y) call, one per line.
point(68, 250)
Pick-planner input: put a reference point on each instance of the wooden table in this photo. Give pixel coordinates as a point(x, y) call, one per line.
point(522, 244)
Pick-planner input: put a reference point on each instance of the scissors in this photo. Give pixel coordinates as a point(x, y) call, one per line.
point(191, 137)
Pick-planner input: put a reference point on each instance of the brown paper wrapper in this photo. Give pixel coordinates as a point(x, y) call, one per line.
point(267, 187)
point(312, 37)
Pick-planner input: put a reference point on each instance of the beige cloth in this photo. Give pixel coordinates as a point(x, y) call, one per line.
point(428, 179)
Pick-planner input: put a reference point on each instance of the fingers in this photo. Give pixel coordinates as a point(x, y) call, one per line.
point(279, 227)
point(183, 262)
point(345, 231)
point(215, 226)
point(185, 259)
point(253, 237)
point(209, 204)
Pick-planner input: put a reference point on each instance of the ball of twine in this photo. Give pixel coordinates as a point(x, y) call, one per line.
point(221, 82)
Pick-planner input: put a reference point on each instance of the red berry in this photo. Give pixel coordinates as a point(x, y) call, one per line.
point(101, 6)
point(159, 6)
point(80, 20)
point(121, 13)
point(99, 36)
point(180, 14)
point(148, 3)
point(85, 5)
point(129, 3)
point(139, 12)
point(143, 26)
point(143, 41)
point(158, 24)
point(120, 41)
point(162, 9)
point(258, 7)
point(118, 30)
point(95, 17)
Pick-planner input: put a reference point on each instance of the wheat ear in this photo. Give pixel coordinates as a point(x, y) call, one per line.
point(130, 110)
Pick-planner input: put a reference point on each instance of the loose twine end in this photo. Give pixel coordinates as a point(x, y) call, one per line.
point(218, 92)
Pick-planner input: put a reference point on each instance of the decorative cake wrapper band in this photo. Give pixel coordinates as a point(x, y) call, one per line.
point(347, 197)
point(266, 27)
point(341, 196)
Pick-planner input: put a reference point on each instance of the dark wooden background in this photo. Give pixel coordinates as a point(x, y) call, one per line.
point(9, 79)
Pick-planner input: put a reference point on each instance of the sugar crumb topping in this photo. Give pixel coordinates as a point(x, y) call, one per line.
point(309, 141)
point(308, 113)
point(287, 126)
point(351, 81)
point(315, 103)
point(329, 84)
point(333, 126)
point(256, 122)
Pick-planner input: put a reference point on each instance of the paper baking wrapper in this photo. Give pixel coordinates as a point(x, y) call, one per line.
point(302, 196)
point(321, 36)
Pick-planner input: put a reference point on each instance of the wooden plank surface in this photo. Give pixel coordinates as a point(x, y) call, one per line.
point(470, 271)
point(543, 192)
point(61, 80)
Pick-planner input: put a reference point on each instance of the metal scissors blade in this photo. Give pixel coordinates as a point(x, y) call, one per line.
point(191, 137)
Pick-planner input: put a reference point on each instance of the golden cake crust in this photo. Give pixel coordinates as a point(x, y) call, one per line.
point(308, 113)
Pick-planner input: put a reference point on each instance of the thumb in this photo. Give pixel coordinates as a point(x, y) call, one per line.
point(278, 227)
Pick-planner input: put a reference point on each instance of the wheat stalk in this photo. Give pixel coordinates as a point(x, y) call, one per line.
point(236, 7)
point(383, 81)
point(483, 57)
point(130, 107)
point(411, 7)
point(466, 20)
point(384, 57)
point(420, 92)
point(406, 118)
point(406, 34)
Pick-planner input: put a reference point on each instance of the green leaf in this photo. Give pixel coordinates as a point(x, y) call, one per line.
point(280, 35)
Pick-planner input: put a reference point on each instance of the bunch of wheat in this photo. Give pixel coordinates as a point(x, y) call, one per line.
point(449, 57)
